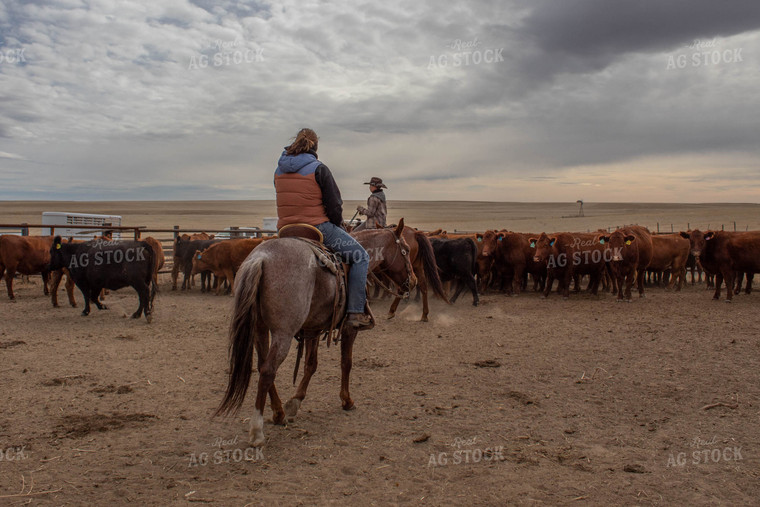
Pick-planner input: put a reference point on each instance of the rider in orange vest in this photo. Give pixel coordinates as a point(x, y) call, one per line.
point(307, 193)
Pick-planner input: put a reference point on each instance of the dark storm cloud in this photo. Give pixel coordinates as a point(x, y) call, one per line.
point(589, 28)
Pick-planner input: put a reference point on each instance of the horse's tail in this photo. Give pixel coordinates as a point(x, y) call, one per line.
point(428, 263)
point(242, 335)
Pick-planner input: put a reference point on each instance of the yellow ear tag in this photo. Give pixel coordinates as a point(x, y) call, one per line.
point(628, 242)
point(58, 246)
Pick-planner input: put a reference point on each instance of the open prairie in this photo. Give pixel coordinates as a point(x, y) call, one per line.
point(517, 401)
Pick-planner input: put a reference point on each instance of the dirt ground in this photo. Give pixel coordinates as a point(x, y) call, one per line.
point(519, 401)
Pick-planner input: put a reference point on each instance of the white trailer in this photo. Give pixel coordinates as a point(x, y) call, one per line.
point(65, 224)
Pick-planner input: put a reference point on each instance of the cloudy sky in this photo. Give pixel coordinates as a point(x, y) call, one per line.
point(508, 100)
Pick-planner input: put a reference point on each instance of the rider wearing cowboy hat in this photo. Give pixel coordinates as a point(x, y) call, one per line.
point(376, 210)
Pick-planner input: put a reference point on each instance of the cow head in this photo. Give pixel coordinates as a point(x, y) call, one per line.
point(199, 264)
point(697, 241)
point(57, 260)
point(618, 242)
point(543, 248)
point(490, 242)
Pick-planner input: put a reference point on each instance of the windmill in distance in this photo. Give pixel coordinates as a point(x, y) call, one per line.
point(580, 210)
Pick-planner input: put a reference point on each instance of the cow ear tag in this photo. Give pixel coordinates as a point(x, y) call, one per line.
point(601, 241)
point(199, 256)
point(480, 239)
point(533, 244)
point(58, 246)
point(500, 239)
point(551, 244)
point(628, 242)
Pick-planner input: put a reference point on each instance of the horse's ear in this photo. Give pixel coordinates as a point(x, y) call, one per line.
point(399, 228)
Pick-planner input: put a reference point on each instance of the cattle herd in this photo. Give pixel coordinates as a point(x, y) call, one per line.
point(499, 260)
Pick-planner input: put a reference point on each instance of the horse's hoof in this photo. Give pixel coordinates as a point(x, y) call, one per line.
point(149, 318)
point(291, 408)
point(279, 418)
point(424, 319)
point(85, 314)
point(349, 405)
point(728, 300)
point(103, 307)
point(476, 303)
point(258, 441)
point(565, 298)
point(390, 316)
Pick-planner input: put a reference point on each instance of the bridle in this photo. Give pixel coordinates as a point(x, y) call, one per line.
point(407, 284)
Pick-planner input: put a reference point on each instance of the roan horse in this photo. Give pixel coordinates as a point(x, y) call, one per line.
point(282, 289)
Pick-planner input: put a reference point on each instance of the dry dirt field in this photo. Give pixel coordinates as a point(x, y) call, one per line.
point(518, 401)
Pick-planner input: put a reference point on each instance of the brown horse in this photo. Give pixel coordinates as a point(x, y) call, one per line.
point(281, 290)
point(425, 268)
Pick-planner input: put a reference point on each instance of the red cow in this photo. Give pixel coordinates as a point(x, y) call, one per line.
point(670, 252)
point(27, 255)
point(631, 253)
point(567, 255)
point(724, 253)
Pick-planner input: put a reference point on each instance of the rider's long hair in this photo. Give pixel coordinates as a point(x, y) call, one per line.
point(306, 140)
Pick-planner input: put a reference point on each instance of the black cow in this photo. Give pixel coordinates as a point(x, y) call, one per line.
point(113, 265)
point(457, 260)
point(184, 251)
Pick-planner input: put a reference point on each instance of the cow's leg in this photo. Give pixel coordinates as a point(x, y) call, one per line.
point(718, 282)
point(230, 277)
point(640, 282)
point(261, 341)
point(518, 280)
point(347, 337)
point(470, 280)
point(143, 293)
point(549, 283)
point(278, 350)
point(85, 290)
point(94, 293)
point(460, 288)
point(311, 344)
point(750, 276)
point(730, 277)
point(55, 282)
point(569, 276)
point(45, 281)
point(70, 290)
point(175, 273)
point(10, 274)
point(737, 288)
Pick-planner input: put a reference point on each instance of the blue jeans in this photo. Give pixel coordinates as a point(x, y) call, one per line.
point(354, 255)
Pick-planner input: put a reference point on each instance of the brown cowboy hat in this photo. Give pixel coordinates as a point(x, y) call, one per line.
point(376, 182)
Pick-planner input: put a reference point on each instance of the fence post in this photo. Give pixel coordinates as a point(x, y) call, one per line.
point(234, 231)
point(137, 234)
point(688, 226)
point(671, 228)
point(722, 227)
point(176, 232)
point(734, 225)
point(658, 227)
point(24, 230)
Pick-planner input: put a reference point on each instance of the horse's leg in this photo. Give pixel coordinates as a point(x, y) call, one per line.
point(311, 344)
point(422, 284)
point(348, 335)
point(278, 350)
point(394, 305)
point(261, 340)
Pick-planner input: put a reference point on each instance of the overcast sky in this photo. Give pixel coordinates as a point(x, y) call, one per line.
point(540, 100)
